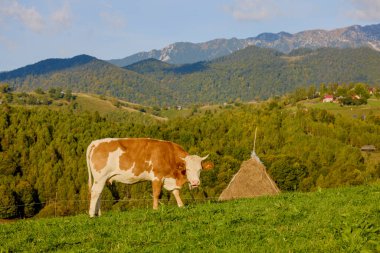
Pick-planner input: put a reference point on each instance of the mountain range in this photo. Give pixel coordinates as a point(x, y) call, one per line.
point(247, 74)
point(254, 68)
point(186, 52)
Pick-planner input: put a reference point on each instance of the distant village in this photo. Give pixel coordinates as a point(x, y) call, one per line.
point(351, 97)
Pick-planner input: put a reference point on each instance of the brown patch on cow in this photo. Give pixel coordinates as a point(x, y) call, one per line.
point(163, 155)
point(101, 152)
point(207, 165)
point(180, 177)
point(156, 186)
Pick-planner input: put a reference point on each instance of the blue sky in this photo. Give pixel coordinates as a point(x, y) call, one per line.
point(33, 30)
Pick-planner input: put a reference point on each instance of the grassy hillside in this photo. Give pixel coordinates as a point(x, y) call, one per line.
point(372, 107)
point(109, 105)
point(335, 220)
point(106, 106)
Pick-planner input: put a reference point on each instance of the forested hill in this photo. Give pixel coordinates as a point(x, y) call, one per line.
point(47, 66)
point(90, 75)
point(260, 73)
point(251, 73)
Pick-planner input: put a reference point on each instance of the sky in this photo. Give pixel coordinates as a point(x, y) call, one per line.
point(34, 30)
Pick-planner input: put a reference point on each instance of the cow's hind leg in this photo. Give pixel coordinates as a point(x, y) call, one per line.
point(96, 192)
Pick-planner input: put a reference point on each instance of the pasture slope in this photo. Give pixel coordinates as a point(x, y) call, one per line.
point(333, 220)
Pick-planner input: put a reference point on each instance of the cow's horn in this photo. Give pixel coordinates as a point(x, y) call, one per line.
point(204, 158)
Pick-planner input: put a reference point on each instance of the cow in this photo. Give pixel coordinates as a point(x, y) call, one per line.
point(131, 160)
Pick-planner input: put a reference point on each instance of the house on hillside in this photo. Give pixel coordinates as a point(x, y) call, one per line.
point(328, 98)
point(368, 148)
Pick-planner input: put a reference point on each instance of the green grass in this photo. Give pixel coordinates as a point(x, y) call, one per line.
point(374, 102)
point(92, 104)
point(373, 106)
point(187, 112)
point(174, 113)
point(336, 220)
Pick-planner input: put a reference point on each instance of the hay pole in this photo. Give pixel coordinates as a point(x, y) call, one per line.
point(253, 154)
point(254, 142)
point(263, 170)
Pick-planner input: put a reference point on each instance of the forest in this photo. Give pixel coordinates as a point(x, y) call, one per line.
point(43, 167)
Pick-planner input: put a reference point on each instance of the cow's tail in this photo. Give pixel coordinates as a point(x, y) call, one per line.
point(88, 154)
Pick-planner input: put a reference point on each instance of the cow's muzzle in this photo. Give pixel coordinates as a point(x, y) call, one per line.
point(194, 184)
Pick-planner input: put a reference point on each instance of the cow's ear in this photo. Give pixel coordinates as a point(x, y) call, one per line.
point(207, 165)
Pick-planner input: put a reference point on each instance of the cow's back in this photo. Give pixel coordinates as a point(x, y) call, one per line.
point(136, 154)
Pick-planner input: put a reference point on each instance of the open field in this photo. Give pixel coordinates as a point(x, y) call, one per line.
point(174, 113)
point(373, 106)
point(92, 104)
point(334, 220)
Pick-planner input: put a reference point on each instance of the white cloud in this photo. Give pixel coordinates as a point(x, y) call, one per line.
point(114, 20)
point(366, 10)
point(62, 17)
point(27, 16)
point(16, 12)
point(255, 10)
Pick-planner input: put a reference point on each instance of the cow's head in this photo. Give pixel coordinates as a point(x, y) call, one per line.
point(194, 166)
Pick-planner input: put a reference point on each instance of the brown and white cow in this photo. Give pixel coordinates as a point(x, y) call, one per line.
point(131, 160)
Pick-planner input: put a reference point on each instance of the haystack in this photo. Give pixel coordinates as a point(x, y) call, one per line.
point(250, 181)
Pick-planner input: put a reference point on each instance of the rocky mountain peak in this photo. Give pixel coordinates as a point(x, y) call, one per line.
point(186, 52)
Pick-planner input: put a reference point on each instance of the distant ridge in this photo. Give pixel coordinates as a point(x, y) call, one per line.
point(186, 52)
point(47, 66)
point(149, 66)
point(84, 73)
point(249, 74)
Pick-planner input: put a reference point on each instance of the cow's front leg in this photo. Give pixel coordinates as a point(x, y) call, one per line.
point(156, 185)
point(177, 198)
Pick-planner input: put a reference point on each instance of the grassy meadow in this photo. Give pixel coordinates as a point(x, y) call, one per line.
point(372, 106)
point(333, 220)
point(93, 103)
